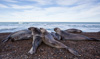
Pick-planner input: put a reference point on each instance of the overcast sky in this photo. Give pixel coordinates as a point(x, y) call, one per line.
point(49, 10)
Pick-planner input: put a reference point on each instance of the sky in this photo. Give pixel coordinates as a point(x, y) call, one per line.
point(49, 10)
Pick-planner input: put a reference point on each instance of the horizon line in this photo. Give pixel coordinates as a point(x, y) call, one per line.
point(36, 21)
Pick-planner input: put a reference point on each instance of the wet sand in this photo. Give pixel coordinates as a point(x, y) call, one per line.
point(19, 49)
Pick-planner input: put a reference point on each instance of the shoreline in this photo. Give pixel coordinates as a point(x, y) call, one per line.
point(19, 49)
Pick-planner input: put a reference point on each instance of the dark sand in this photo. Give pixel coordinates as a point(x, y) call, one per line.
point(19, 49)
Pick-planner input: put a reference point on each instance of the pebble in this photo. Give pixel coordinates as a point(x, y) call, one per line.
point(75, 58)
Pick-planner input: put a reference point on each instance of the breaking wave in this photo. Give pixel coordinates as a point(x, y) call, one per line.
point(15, 26)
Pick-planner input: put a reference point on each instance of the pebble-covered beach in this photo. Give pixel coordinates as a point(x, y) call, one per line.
point(19, 49)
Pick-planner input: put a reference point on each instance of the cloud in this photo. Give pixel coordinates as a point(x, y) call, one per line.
point(21, 7)
point(60, 14)
point(15, 6)
point(66, 2)
point(62, 2)
point(84, 11)
point(10, 0)
point(74, 2)
point(3, 6)
point(43, 2)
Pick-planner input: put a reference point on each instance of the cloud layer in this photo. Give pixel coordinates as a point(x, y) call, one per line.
point(50, 10)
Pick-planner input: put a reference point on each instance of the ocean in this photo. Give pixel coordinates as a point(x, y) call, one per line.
point(15, 26)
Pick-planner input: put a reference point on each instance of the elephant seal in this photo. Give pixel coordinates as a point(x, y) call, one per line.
point(74, 30)
point(70, 36)
point(48, 39)
point(56, 36)
point(19, 35)
point(36, 39)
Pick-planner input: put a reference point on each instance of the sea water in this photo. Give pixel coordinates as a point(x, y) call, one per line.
point(49, 26)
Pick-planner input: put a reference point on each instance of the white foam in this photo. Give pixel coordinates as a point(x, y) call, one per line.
point(49, 26)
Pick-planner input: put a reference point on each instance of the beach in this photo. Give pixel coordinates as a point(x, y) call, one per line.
point(47, 29)
point(19, 49)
